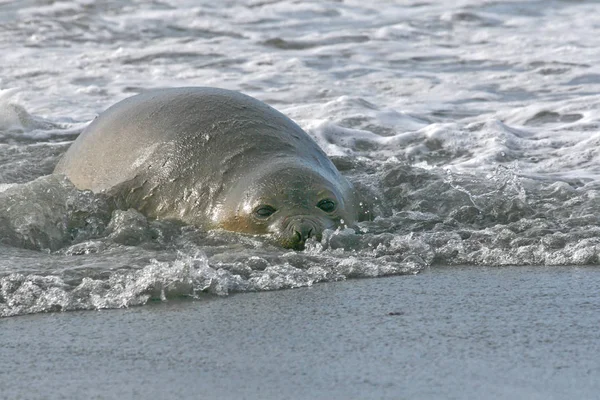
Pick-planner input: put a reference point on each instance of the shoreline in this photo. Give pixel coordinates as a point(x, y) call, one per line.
point(451, 332)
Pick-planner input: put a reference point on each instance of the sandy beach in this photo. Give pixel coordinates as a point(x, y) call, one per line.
point(488, 333)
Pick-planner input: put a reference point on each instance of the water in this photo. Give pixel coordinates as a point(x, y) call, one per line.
point(472, 127)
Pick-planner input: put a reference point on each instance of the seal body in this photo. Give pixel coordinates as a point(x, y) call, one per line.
point(213, 158)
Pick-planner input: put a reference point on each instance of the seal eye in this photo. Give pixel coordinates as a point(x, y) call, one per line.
point(326, 205)
point(264, 211)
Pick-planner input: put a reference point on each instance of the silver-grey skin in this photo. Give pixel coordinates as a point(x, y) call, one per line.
point(213, 158)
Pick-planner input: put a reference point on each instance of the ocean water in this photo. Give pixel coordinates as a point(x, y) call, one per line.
point(472, 127)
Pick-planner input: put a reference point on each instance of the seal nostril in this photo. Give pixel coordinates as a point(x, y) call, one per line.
point(302, 231)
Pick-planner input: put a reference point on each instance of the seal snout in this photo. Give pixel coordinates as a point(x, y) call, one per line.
point(298, 231)
point(302, 233)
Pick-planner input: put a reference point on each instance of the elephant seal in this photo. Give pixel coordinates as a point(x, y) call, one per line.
point(213, 158)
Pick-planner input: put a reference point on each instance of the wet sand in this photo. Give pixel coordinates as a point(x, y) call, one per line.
point(452, 333)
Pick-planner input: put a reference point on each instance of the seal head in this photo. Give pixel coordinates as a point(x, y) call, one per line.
point(292, 203)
